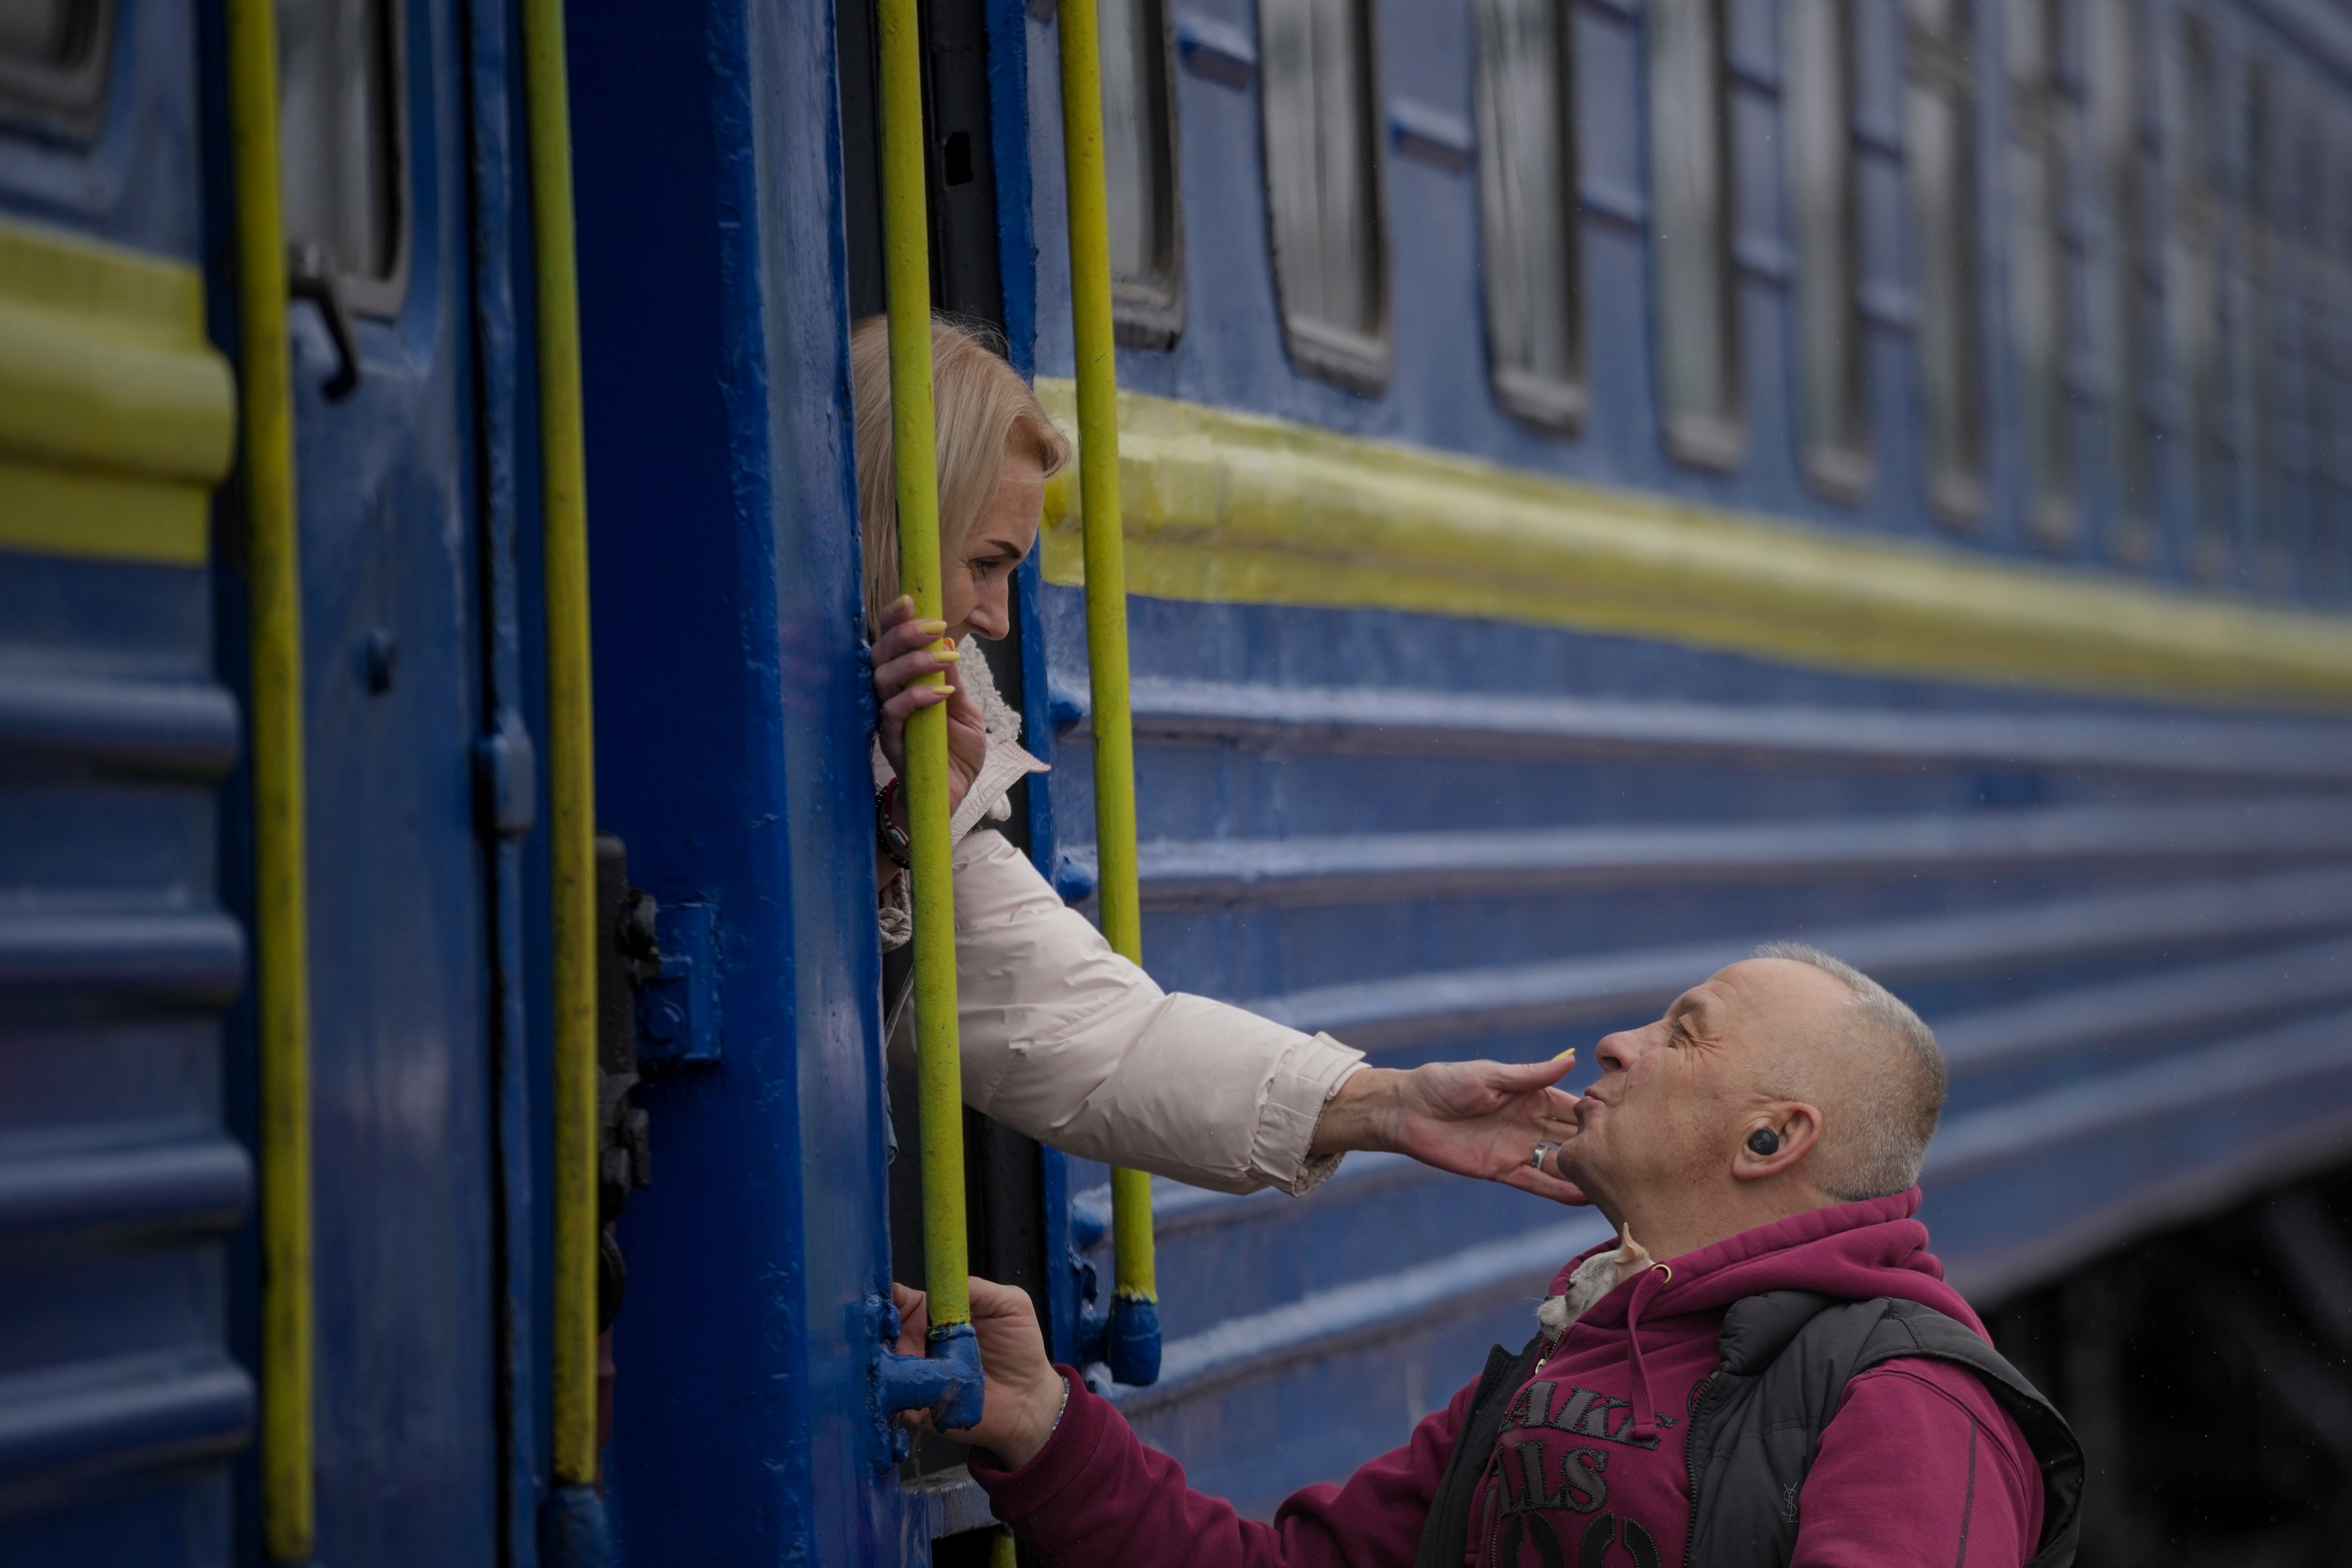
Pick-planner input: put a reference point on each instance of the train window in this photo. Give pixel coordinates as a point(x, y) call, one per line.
point(2127, 323)
point(1939, 125)
point(2039, 108)
point(2322, 304)
point(1832, 411)
point(1139, 166)
point(2194, 295)
point(1690, 177)
point(1323, 187)
point(2259, 347)
point(53, 55)
point(340, 125)
point(1527, 201)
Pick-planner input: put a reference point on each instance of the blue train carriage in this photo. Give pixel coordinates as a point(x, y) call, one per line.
point(1607, 484)
point(1935, 555)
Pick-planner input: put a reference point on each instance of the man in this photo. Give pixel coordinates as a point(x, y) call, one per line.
point(1767, 1368)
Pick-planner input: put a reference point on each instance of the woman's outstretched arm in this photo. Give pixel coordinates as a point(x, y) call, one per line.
point(1065, 1041)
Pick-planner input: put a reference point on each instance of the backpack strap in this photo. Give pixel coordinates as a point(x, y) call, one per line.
point(1447, 1528)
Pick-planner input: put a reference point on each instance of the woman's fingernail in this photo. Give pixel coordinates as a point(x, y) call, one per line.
point(1565, 1054)
point(931, 628)
point(946, 655)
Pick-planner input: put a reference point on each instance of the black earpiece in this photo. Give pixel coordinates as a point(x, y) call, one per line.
point(1764, 1141)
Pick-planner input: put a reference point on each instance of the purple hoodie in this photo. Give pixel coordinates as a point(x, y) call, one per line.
point(1920, 1465)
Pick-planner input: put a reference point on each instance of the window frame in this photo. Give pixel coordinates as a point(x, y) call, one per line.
point(2041, 127)
point(1717, 442)
point(2128, 262)
point(1556, 404)
point(1357, 361)
point(1843, 469)
point(2200, 215)
point(383, 298)
point(67, 101)
point(2319, 296)
point(1149, 312)
point(1956, 495)
point(2265, 111)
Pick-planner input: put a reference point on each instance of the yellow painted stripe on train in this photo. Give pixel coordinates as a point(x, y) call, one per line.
point(67, 511)
point(117, 415)
point(1235, 507)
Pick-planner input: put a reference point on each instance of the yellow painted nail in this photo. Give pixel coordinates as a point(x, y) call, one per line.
point(931, 628)
point(946, 655)
point(1565, 1054)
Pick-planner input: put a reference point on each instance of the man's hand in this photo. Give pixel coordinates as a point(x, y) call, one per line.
point(1474, 1119)
point(1024, 1394)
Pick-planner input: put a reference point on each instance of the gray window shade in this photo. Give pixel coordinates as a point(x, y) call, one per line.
point(1322, 184)
point(1833, 418)
point(2193, 293)
point(1939, 128)
point(339, 135)
point(2038, 328)
point(1528, 206)
point(53, 55)
point(2126, 323)
point(41, 32)
point(1139, 169)
point(1698, 361)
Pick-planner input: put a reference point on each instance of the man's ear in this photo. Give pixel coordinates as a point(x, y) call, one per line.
point(1775, 1139)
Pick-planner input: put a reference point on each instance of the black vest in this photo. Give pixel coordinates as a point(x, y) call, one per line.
point(1757, 1421)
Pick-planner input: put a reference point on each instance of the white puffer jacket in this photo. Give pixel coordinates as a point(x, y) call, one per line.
point(1070, 1043)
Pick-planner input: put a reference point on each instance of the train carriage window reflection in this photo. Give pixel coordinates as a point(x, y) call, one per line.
point(340, 131)
point(53, 56)
point(1831, 408)
point(1140, 167)
point(2127, 322)
point(2193, 295)
point(1939, 127)
point(2039, 108)
point(1527, 207)
point(1690, 178)
point(1323, 187)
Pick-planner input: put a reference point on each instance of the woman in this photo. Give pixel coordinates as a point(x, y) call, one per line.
point(1061, 1038)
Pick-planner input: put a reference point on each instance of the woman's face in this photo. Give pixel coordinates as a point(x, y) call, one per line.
point(976, 590)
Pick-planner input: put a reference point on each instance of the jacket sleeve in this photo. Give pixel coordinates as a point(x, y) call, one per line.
point(1919, 1469)
point(1095, 1494)
point(1076, 1047)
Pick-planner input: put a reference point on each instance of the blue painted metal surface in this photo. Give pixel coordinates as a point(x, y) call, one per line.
point(1431, 838)
point(748, 1422)
point(1440, 838)
point(121, 1185)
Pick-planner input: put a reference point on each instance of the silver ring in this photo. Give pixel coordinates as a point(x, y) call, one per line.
point(1542, 1148)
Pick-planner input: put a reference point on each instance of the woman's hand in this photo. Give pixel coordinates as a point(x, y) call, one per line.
point(1024, 1394)
point(1474, 1118)
point(907, 650)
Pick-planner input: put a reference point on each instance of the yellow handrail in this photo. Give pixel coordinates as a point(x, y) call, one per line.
point(280, 882)
point(570, 745)
point(1114, 739)
point(938, 1068)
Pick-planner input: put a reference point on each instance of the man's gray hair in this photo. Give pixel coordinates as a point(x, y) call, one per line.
point(1895, 1103)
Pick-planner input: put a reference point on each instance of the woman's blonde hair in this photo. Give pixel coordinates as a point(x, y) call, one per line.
point(983, 406)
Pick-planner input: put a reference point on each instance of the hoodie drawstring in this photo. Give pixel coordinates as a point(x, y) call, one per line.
point(1657, 1278)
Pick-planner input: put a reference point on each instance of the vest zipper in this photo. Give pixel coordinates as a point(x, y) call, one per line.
point(1690, 1459)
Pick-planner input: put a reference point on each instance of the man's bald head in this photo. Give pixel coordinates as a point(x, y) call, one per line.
point(1785, 1082)
point(1876, 1073)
